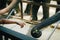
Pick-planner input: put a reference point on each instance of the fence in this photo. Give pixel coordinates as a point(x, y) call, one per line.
point(7, 34)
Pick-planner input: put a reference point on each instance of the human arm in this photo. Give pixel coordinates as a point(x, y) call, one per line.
point(7, 21)
point(8, 7)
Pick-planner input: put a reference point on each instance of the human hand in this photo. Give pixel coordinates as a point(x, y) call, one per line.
point(21, 24)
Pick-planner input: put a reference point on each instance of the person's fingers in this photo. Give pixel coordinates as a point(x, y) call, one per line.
point(22, 25)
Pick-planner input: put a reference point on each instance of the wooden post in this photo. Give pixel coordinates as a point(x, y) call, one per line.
point(21, 10)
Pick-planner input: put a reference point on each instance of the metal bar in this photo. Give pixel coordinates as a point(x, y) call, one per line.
point(1, 36)
point(48, 21)
point(12, 9)
point(6, 38)
point(53, 30)
point(16, 34)
point(10, 13)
